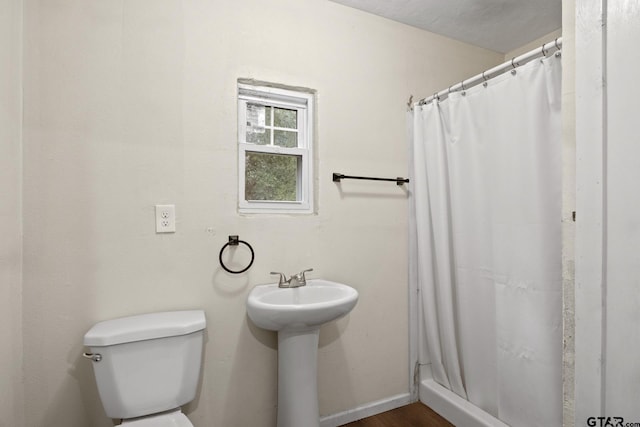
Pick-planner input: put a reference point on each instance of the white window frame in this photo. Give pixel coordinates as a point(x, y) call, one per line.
point(288, 99)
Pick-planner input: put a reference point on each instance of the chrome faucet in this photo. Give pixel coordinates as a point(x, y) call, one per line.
point(295, 281)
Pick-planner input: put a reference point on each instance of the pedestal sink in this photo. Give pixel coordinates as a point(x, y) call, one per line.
point(297, 314)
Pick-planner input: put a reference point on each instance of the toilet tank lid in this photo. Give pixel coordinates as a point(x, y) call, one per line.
point(145, 327)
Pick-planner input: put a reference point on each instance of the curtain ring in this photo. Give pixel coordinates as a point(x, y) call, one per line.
point(512, 64)
point(556, 43)
point(436, 98)
point(485, 84)
point(544, 52)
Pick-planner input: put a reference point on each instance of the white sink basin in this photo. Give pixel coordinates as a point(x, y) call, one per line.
point(310, 306)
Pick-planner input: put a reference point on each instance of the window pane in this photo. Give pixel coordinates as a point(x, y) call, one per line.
point(271, 177)
point(285, 138)
point(285, 118)
point(260, 137)
point(257, 116)
point(267, 115)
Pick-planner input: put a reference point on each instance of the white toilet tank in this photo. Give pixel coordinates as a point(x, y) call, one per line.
point(148, 363)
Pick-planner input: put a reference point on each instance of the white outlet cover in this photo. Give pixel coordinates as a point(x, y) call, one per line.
point(165, 218)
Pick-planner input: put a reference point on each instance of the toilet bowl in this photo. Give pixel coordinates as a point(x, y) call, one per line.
point(148, 366)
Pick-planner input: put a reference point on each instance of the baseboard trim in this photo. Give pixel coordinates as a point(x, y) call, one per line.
point(366, 410)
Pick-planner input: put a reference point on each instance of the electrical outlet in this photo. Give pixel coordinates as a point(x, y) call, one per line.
point(165, 218)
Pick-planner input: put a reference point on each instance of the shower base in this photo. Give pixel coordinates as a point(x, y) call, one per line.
point(453, 408)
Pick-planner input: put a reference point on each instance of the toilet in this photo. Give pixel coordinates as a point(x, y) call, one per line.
point(148, 366)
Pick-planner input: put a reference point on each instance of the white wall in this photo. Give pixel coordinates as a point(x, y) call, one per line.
point(622, 326)
point(10, 214)
point(608, 230)
point(133, 103)
point(589, 262)
point(568, 206)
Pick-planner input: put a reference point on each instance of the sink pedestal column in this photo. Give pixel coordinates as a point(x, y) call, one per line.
point(298, 378)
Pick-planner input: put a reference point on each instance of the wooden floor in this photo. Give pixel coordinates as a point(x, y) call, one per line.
point(413, 415)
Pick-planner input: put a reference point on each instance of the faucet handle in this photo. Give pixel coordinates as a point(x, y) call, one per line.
point(283, 278)
point(301, 275)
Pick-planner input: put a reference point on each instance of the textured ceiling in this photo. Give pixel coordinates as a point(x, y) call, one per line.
point(499, 25)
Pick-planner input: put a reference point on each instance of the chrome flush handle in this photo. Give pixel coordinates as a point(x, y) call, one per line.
point(96, 357)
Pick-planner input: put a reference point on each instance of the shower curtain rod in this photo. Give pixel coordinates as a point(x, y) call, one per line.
point(545, 50)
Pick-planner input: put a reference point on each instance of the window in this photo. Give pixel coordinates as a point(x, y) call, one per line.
point(275, 150)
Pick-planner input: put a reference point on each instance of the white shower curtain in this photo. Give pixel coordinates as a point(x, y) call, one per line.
point(487, 256)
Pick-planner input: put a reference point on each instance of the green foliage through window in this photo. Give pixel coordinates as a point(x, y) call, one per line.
point(271, 177)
